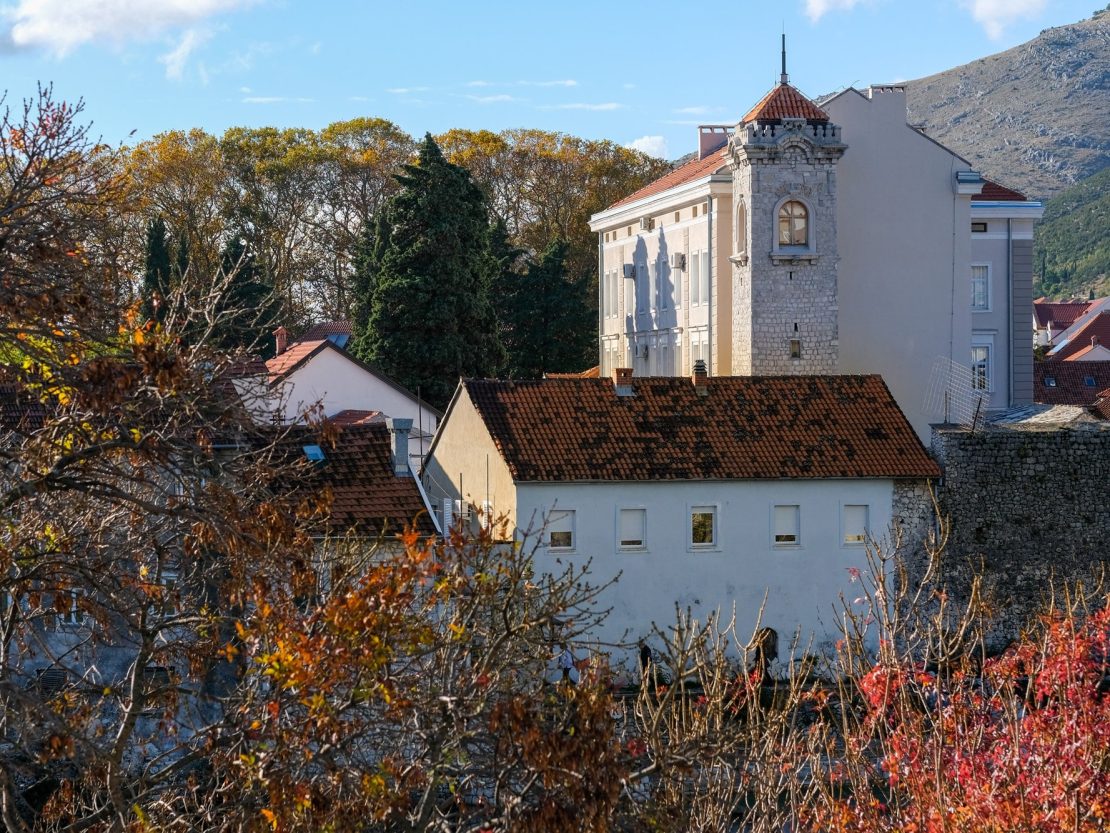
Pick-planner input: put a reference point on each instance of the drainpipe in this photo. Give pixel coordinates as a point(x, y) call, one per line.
point(712, 286)
point(1010, 305)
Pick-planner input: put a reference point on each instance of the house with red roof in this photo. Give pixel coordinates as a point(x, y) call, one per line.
point(315, 376)
point(823, 236)
point(1086, 340)
point(706, 492)
point(1052, 318)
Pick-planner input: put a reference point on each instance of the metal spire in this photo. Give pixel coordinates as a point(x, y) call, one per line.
point(784, 78)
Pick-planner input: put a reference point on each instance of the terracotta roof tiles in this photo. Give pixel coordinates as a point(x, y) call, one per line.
point(692, 170)
point(1069, 383)
point(773, 427)
point(1060, 313)
point(1079, 341)
point(785, 102)
point(999, 193)
point(326, 330)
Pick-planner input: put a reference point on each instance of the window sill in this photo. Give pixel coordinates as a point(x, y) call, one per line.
point(632, 549)
point(739, 259)
point(793, 257)
point(981, 309)
point(561, 550)
point(696, 548)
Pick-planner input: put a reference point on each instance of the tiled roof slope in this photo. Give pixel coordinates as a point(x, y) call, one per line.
point(352, 416)
point(367, 496)
point(294, 354)
point(592, 373)
point(771, 427)
point(994, 192)
point(19, 411)
point(1070, 382)
point(1061, 313)
point(785, 102)
point(1080, 340)
point(692, 170)
point(327, 328)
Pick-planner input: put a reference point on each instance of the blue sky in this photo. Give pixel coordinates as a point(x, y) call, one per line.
point(641, 72)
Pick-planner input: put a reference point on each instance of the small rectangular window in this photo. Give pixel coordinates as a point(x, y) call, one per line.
point(1050, 381)
point(694, 211)
point(795, 348)
point(630, 231)
point(676, 215)
point(854, 523)
point(703, 526)
point(633, 524)
point(606, 237)
point(1089, 381)
point(978, 228)
point(980, 288)
point(981, 371)
point(786, 520)
point(560, 529)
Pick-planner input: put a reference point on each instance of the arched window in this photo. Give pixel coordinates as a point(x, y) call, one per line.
point(793, 224)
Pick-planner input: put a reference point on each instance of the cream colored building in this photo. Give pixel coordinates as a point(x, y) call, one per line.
point(822, 237)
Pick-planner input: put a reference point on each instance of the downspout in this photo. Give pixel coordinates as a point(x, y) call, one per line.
point(1010, 306)
point(712, 287)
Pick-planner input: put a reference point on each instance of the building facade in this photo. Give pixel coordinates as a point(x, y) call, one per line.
point(822, 237)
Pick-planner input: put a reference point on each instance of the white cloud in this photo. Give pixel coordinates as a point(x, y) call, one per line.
point(569, 82)
point(176, 58)
point(581, 105)
point(60, 26)
point(700, 110)
point(816, 9)
point(492, 99)
point(995, 15)
point(651, 145)
point(478, 84)
point(406, 90)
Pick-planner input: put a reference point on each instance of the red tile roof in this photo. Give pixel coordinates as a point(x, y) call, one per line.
point(692, 170)
point(327, 328)
point(1101, 408)
point(355, 417)
point(1078, 342)
point(294, 354)
point(1061, 314)
point(999, 193)
point(367, 497)
point(772, 427)
point(785, 102)
point(19, 411)
point(1066, 383)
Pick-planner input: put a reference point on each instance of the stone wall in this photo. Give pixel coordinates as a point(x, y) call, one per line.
point(1030, 506)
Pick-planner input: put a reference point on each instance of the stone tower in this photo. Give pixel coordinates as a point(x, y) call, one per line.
point(783, 156)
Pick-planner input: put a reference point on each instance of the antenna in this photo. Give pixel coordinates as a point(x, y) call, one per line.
point(784, 78)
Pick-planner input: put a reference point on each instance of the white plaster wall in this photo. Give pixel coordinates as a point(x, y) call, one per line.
point(802, 583)
point(339, 384)
point(904, 239)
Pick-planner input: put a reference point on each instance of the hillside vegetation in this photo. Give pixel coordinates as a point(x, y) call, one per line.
point(1072, 254)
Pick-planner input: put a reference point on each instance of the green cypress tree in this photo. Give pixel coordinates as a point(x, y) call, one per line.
point(248, 309)
point(548, 319)
point(364, 282)
point(430, 319)
point(156, 272)
point(181, 259)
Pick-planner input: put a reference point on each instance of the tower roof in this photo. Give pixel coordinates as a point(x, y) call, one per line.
point(785, 102)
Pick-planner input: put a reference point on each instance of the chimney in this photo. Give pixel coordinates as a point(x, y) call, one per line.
point(622, 381)
point(1094, 341)
point(711, 137)
point(281, 340)
point(399, 429)
point(701, 378)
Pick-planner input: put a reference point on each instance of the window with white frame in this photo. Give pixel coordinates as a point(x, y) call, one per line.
point(676, 286)
point(982, 362)
point(72, 612)
point(703, 280)
point(853, 523)
point(629, 296)
point(703, 527)
point(699, 347)
point(741, 229)
point(653, 285)
point(560, 529)
point(980, 287)
point(632, 528)
point(643, 290)
point(786, 525)
point(695, 278)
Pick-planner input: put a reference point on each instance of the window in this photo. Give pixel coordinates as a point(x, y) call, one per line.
point(978, 228)
point(632, 526)
point(982, 372)
point(629, 297)
point(72, 614)
point(695, 278)
point(699, 347)
point(694, 211)
point(853, 522)
point(643, 290)
point(795, 348)
point(606, 237)
point(703, 280)
point(742, 230)
point(560, 529)
point(314, 453)
point(677, 214)
point(653, 286)
point(793, 224)
point(980, 287)
point(703, 527)
point(786, 525)
point(1089, 381)
point(1050, 381)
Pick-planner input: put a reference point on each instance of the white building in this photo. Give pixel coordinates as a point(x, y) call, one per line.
point(822, 237)
point(704, 494)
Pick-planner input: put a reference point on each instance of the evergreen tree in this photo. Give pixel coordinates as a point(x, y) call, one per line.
point(181, 259)
point(248, 310)
point(549, 325)
point(156, 272)
point(363, 282)
point(430, 319)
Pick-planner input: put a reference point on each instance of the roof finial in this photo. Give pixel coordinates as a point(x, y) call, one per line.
point(784, 78)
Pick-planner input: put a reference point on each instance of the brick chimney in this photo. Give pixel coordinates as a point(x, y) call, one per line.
point(281, 340)
point(399, 429)
point(701, 378)
point(622, 381)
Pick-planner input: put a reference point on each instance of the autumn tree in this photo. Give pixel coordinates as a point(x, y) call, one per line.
point(157, 272)
point(431, 320)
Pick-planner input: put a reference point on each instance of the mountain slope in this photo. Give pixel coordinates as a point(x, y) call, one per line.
point(1073, 241)
point(1036, 117)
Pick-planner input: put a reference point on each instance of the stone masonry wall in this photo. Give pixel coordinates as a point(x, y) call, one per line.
point(1028, 506)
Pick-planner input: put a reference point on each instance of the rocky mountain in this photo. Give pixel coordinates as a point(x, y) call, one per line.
point(1035, 117)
